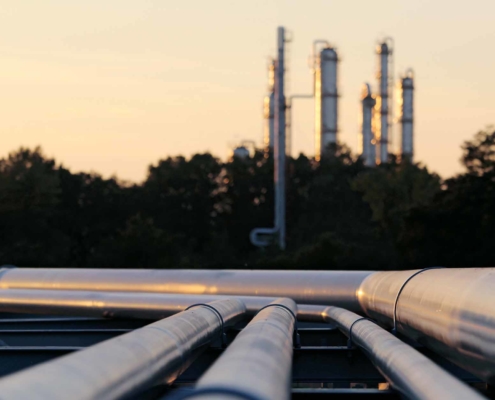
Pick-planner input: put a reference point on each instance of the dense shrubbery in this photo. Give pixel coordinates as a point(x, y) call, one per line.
point(198, 213)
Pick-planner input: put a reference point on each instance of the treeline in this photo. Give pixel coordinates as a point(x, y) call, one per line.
point(198, 212)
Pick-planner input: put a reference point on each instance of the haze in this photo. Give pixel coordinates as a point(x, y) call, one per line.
point(113, 86)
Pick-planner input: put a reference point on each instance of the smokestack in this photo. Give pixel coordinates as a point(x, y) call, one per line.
point(326, 96)
point(367, 143)
point(407, 115)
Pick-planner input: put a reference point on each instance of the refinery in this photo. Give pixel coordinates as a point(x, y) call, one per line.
point(377, 119)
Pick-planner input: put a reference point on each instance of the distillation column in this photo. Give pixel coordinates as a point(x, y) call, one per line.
point(407, 115)
point(384, 51)
point(326, 97)
point(367, 142)
point(279, 153)
point(269, 110)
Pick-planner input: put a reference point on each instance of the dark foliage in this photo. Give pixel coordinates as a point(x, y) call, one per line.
point(198, 212)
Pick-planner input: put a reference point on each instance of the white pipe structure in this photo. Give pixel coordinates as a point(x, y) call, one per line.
point(448, 310)
point(326, 102)
point(367, 138)
point(384, 52)
point(269, 110)
point(123, 366)
point(407, 115)
point(408, 371)
point(258, 363)
point(262, 237)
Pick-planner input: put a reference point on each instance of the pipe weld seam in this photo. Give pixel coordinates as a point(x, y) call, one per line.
point(222, 323)
point(394, 328)
point(297, 339)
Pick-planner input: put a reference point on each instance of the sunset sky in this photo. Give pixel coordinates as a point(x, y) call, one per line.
point(112, 86)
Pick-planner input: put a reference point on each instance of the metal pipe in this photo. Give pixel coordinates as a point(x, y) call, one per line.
point(407, 115)
point(128, 364)
point(368, 151)
point(448, 310)
point(407, 370)
point(125, 305)
point(258, 362)
point(305, 287)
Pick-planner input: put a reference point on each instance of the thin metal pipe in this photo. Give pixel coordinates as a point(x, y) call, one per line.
point(128, 364)
point(407, 370)
point(125, 305)
point(448, 310)
point(336, 288)
point(258, 363)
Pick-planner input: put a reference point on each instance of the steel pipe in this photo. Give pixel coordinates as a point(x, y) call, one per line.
point(125, 305)
point(336, 288)
point(258, 363)
point(448, 310)
point(123, 366)
point(407, 370)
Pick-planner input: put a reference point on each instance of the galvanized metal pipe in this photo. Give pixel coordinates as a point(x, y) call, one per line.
point(407, 370)
point(450, 311)
point(336, 288)
point(125, 365)
point(125, 305)
point(258, 362)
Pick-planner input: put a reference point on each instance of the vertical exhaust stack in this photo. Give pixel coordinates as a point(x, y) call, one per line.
point(367, 142)
point(384, 52)
point(407, 115)
point(269, 110)
point(326, 98)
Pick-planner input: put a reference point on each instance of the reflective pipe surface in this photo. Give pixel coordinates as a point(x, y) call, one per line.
point(450, 311)
point(336, 288)
point(258, 362)
point(407, 370)
point(123, 366)
point(124, 305)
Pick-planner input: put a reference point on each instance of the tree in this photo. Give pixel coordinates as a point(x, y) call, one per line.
point(479, 153)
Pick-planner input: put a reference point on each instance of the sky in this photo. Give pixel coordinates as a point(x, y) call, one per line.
point(113, 86)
